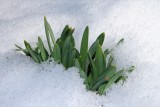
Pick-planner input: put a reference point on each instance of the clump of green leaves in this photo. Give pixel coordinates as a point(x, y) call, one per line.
point(38, 54)
point(62, 50)
point(99, 73)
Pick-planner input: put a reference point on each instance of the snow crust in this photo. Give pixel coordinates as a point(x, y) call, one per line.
point(24, 83)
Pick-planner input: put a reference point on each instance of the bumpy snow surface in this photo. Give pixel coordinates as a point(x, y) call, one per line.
point(23, 83)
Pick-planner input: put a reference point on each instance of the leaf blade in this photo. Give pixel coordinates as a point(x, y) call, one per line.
point(84, 46)
point(111, 81)
point(33, 55)
point(43, 52)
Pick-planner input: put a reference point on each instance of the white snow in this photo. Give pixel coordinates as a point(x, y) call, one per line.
point(23, 83)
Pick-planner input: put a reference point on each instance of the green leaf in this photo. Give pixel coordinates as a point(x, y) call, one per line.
point(43, 51)
point(89, 82)
point(93, 48)
point(72, 41)
point(77, 64)
point(101, 38)
point(21, 49)
point(95, 71)
point(107, 74)
point(130, 69)
point(48, 33)
point(92, 52)
point(82, 73)
point(65, 58)
point(98, 84)
point(120, 41)
point(123, 78)
point(66, 45)
point(30, 50)
point(99, 41)
point(37, 49)
point(106, 52)
point(51, 33)
point(68, 33)
point(110, 72)
point(59, 42)
point(39, 58)
point(99, 60)
point(64, 32)
point(104, 61)
point(110, 61)
point(71, 57)
point(77, 53)
point(57, 53)
point(102, 89)
point(84, 47)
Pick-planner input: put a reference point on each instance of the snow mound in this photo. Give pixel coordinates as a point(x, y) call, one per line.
point(24, 83)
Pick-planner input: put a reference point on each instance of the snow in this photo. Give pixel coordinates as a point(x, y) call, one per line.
point(24, 83)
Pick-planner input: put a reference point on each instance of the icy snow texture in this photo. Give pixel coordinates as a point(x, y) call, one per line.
point(24, 83)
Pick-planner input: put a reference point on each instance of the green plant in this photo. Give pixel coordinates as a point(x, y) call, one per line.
point(38, 54)
point(99, 73)
point(67, 46)
point(62, 50)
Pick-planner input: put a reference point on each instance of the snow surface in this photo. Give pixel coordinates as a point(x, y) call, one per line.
point(24, 83)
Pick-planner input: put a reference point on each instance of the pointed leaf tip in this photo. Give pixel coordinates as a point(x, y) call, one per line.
point(120, 41)
point(45, 18)
point(131, 68)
